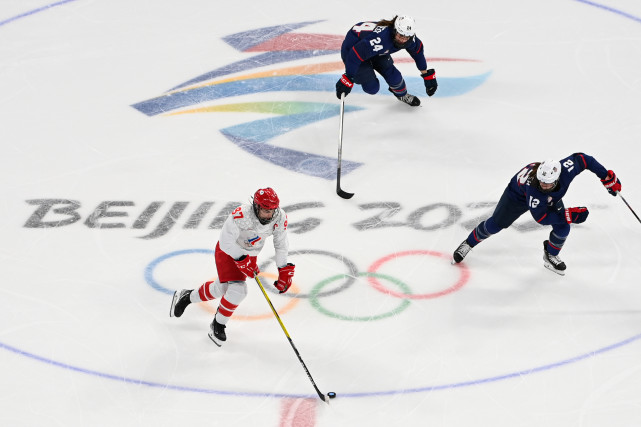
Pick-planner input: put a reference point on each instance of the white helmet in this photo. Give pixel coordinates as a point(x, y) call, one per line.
point(549, 171)
point(404, 25)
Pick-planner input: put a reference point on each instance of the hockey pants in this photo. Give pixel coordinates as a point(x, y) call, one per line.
point(506, 212)
point(384, 65)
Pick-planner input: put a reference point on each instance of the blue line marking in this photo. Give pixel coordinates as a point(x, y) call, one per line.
point(312, 396)
point(34, 11)
point(611, 9)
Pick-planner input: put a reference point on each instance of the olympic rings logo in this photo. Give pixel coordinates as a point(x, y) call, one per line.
point(321, 290)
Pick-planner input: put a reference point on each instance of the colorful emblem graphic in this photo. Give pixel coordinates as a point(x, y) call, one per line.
point(275, 45)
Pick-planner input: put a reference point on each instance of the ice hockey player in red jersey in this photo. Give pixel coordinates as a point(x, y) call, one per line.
point(242, 237)
point(367, 48)
point(539, 188)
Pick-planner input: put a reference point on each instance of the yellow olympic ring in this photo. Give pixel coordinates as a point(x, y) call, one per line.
point(207, 306)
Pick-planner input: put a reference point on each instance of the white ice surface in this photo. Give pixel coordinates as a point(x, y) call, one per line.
point(85, 340)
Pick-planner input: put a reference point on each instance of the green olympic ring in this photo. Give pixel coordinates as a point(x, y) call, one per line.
point(317, 288)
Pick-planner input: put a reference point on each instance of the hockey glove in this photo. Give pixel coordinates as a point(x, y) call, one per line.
point(576, 215)
point(344, 85)
point(611, 183)
point(429, 78)
point(285, 276)
point(247, 265)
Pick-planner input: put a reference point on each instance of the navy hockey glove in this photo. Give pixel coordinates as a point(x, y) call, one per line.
point(576, 215)
point(611, 183)
point(285, 276)
point(344, 85)
point(247, 265)
point(429, 78)
point(559, 206)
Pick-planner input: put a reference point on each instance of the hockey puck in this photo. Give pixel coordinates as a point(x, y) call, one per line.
point(331, 395)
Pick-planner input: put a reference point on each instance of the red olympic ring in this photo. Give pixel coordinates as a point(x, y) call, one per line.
point(464, 275)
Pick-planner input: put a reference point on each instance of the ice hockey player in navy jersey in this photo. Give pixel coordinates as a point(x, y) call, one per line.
point(539, 188)
point(367, 48)
point(242, 237)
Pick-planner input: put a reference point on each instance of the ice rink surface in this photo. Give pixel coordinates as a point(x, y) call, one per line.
point(130, 128)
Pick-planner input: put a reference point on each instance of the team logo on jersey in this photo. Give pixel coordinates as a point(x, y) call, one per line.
point(254, 240)
point(268, 47)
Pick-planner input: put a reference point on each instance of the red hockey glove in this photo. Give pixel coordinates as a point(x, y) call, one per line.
point(285, 276)
point(576, 215)
point(612, 183)
point(247, 265)
point(344, 85)
point(429, 78)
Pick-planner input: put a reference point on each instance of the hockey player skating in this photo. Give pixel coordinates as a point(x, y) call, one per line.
point(367, 48)
point(539, 188)
point(241, 239)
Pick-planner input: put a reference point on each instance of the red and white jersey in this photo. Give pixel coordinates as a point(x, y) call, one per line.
point(242, 234)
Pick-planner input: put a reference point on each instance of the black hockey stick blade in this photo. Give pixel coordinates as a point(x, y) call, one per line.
point(342, 193)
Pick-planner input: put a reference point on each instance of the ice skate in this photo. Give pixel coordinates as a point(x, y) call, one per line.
point(179, 303)
point(408, 99)
point(552, 262)
point(217, 333)
point(461, 252)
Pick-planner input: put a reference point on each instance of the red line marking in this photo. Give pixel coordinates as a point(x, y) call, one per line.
point(298, 412)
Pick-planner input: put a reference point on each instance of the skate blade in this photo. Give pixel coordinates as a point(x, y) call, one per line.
point(214, 339)
point(174, 301)
point(551, 268)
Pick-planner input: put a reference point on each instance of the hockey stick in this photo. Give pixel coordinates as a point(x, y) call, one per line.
point(339, 191)
point(321, 395)
point(629, 207)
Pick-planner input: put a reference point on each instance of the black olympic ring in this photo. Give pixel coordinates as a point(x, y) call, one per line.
point(350, 277)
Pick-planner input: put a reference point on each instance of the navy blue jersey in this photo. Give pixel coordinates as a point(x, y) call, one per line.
point(366, 40)
point(545, 207)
